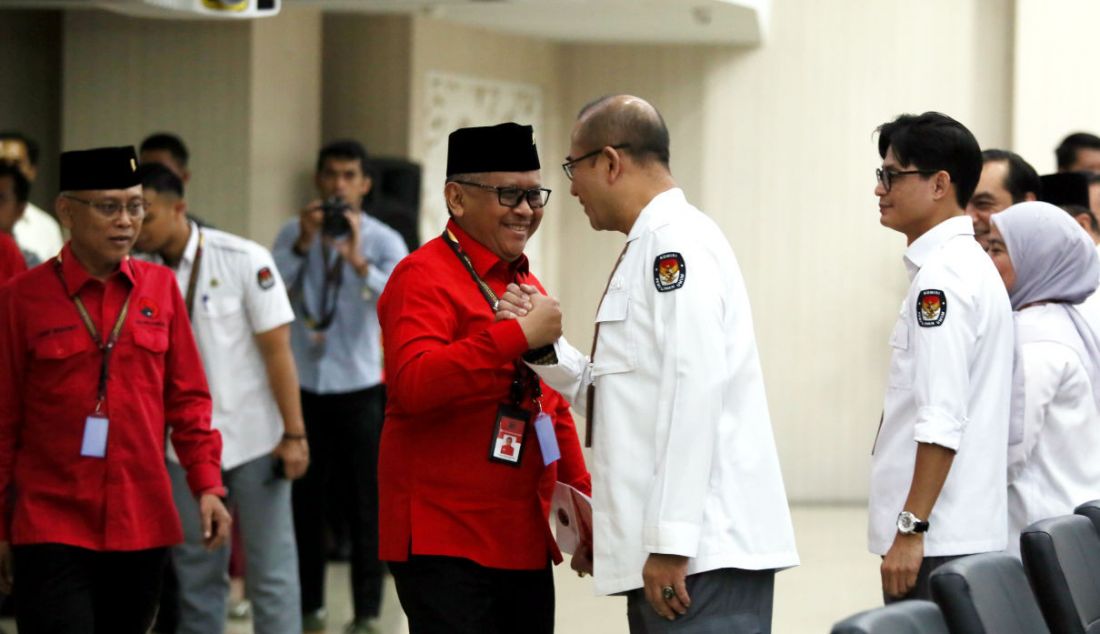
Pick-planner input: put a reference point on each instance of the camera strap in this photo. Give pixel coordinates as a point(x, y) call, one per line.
point(333, 278)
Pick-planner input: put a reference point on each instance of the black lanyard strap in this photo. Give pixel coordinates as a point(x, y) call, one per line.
point(193, 281)
point(330, 290)
point(106, 347)
point(524, 379)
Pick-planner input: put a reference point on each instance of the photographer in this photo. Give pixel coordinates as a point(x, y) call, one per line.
point(336, 260)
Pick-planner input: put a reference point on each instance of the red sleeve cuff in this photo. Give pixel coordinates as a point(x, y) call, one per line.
point(203, 478)
point(509, 338)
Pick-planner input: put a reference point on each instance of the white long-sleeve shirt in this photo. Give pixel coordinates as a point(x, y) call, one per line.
point(1056, 466)
point(684, 457)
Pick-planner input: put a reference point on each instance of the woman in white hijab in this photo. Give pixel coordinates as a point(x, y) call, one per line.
point(1049, 266)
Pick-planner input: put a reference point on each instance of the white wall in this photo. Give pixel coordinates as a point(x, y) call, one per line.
point(1055, 91)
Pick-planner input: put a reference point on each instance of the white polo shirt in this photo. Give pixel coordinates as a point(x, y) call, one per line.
point(38, 233)
point(238, 294)
point(684, 459)
point(949, 384)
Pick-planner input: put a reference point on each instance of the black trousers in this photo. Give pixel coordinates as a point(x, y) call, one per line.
point(68, 590)
point(343, 431)
point(448, 595)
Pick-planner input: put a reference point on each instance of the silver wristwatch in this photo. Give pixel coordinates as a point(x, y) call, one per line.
point(909, 523)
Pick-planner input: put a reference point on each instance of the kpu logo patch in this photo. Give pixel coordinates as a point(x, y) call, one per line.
point(669, 272)
point(931, 307)
point(265, 278)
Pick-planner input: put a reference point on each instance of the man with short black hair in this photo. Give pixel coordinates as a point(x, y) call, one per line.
point(938, 467)
point(169, 150)
point(36, 231)
point(336, 260)
point(98, 368)
point(241, 316)
point(1006, 179)
point(1079, 152)
point(14, 189)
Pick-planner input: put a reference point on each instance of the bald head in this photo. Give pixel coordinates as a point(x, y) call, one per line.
point(626, 122)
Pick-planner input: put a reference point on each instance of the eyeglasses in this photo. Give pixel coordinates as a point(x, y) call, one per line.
point(111, 208)
point(569, 163)
point(536, 197)
point(886, 177)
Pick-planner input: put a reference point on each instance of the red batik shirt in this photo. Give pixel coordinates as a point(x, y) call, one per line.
point(11, 258)
point(49, 372)
point(449, 366)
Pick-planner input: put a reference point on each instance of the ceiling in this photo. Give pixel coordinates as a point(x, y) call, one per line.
point(736, 22)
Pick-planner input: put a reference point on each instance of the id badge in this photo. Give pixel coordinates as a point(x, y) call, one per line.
point(94, 444)
point(508, 435)
point(548, 440)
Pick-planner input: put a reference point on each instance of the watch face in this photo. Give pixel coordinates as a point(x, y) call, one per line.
point(905, 522)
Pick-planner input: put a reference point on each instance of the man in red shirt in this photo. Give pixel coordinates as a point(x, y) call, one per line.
point(97, 360)
point(11, 258)
point(465, 527)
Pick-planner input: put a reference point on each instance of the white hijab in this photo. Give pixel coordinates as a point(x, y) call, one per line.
point(1056, 262)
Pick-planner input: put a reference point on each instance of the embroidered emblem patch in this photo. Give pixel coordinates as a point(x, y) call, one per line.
point(265, 278)
point(148, 308)
point(669, 272)
point(931, 307)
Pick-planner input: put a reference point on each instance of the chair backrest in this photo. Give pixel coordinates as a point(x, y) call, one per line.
point(987, 594)
point(1090, 510)
point(904, 617)
point(1062, 557)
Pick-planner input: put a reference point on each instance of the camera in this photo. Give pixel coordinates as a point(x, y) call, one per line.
point(334, 223)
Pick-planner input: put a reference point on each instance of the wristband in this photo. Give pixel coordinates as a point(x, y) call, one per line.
point(294, 436)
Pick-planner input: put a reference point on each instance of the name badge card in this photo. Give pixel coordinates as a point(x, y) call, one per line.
point(548, 440)
point(95, 437)
point(508, 435)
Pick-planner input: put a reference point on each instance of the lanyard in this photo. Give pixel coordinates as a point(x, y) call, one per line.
point(522, 374)
point(194, 279)
point(330, 290)
point(104, 347)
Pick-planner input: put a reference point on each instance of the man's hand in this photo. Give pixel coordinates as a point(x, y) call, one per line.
point(294, 454)
point(542, 324)
point(659, 572)
point(515, 302)
point(901, 564)
point(582, 560)
point(309, 225)
point(7, 577)
point(215, 521)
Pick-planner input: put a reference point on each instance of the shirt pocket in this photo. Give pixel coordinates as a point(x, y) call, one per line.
point(217, 307)
point(615, 351)
point(61, 347)
point(901, 375)
point(151, 340)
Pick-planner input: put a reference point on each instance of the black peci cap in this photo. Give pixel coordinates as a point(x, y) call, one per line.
point(1065, 188)
point(100, 168)
point(508, 147)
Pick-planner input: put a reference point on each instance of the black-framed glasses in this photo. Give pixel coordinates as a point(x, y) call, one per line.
point(111, 208)
point(536, 197)
point(569, 163)
point(886, 177)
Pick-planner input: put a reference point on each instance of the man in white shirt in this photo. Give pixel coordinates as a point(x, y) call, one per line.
point(36, 231)
point(690, 513)
point(938, 467)
point(1006, 179)
point(240, 314)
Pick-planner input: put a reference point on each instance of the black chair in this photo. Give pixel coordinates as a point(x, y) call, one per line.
point(1090, 510)
point(1062, 558)
point(987, 594)
point(905, 617)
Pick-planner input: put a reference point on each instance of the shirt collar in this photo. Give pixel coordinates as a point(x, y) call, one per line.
point(76, 276)
point(924, 246)
point(651, 213)
point(482, 258)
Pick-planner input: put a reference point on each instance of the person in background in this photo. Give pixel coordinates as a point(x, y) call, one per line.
point(36, 231)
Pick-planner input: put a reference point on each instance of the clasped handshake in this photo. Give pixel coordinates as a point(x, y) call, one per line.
point(538, 315)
